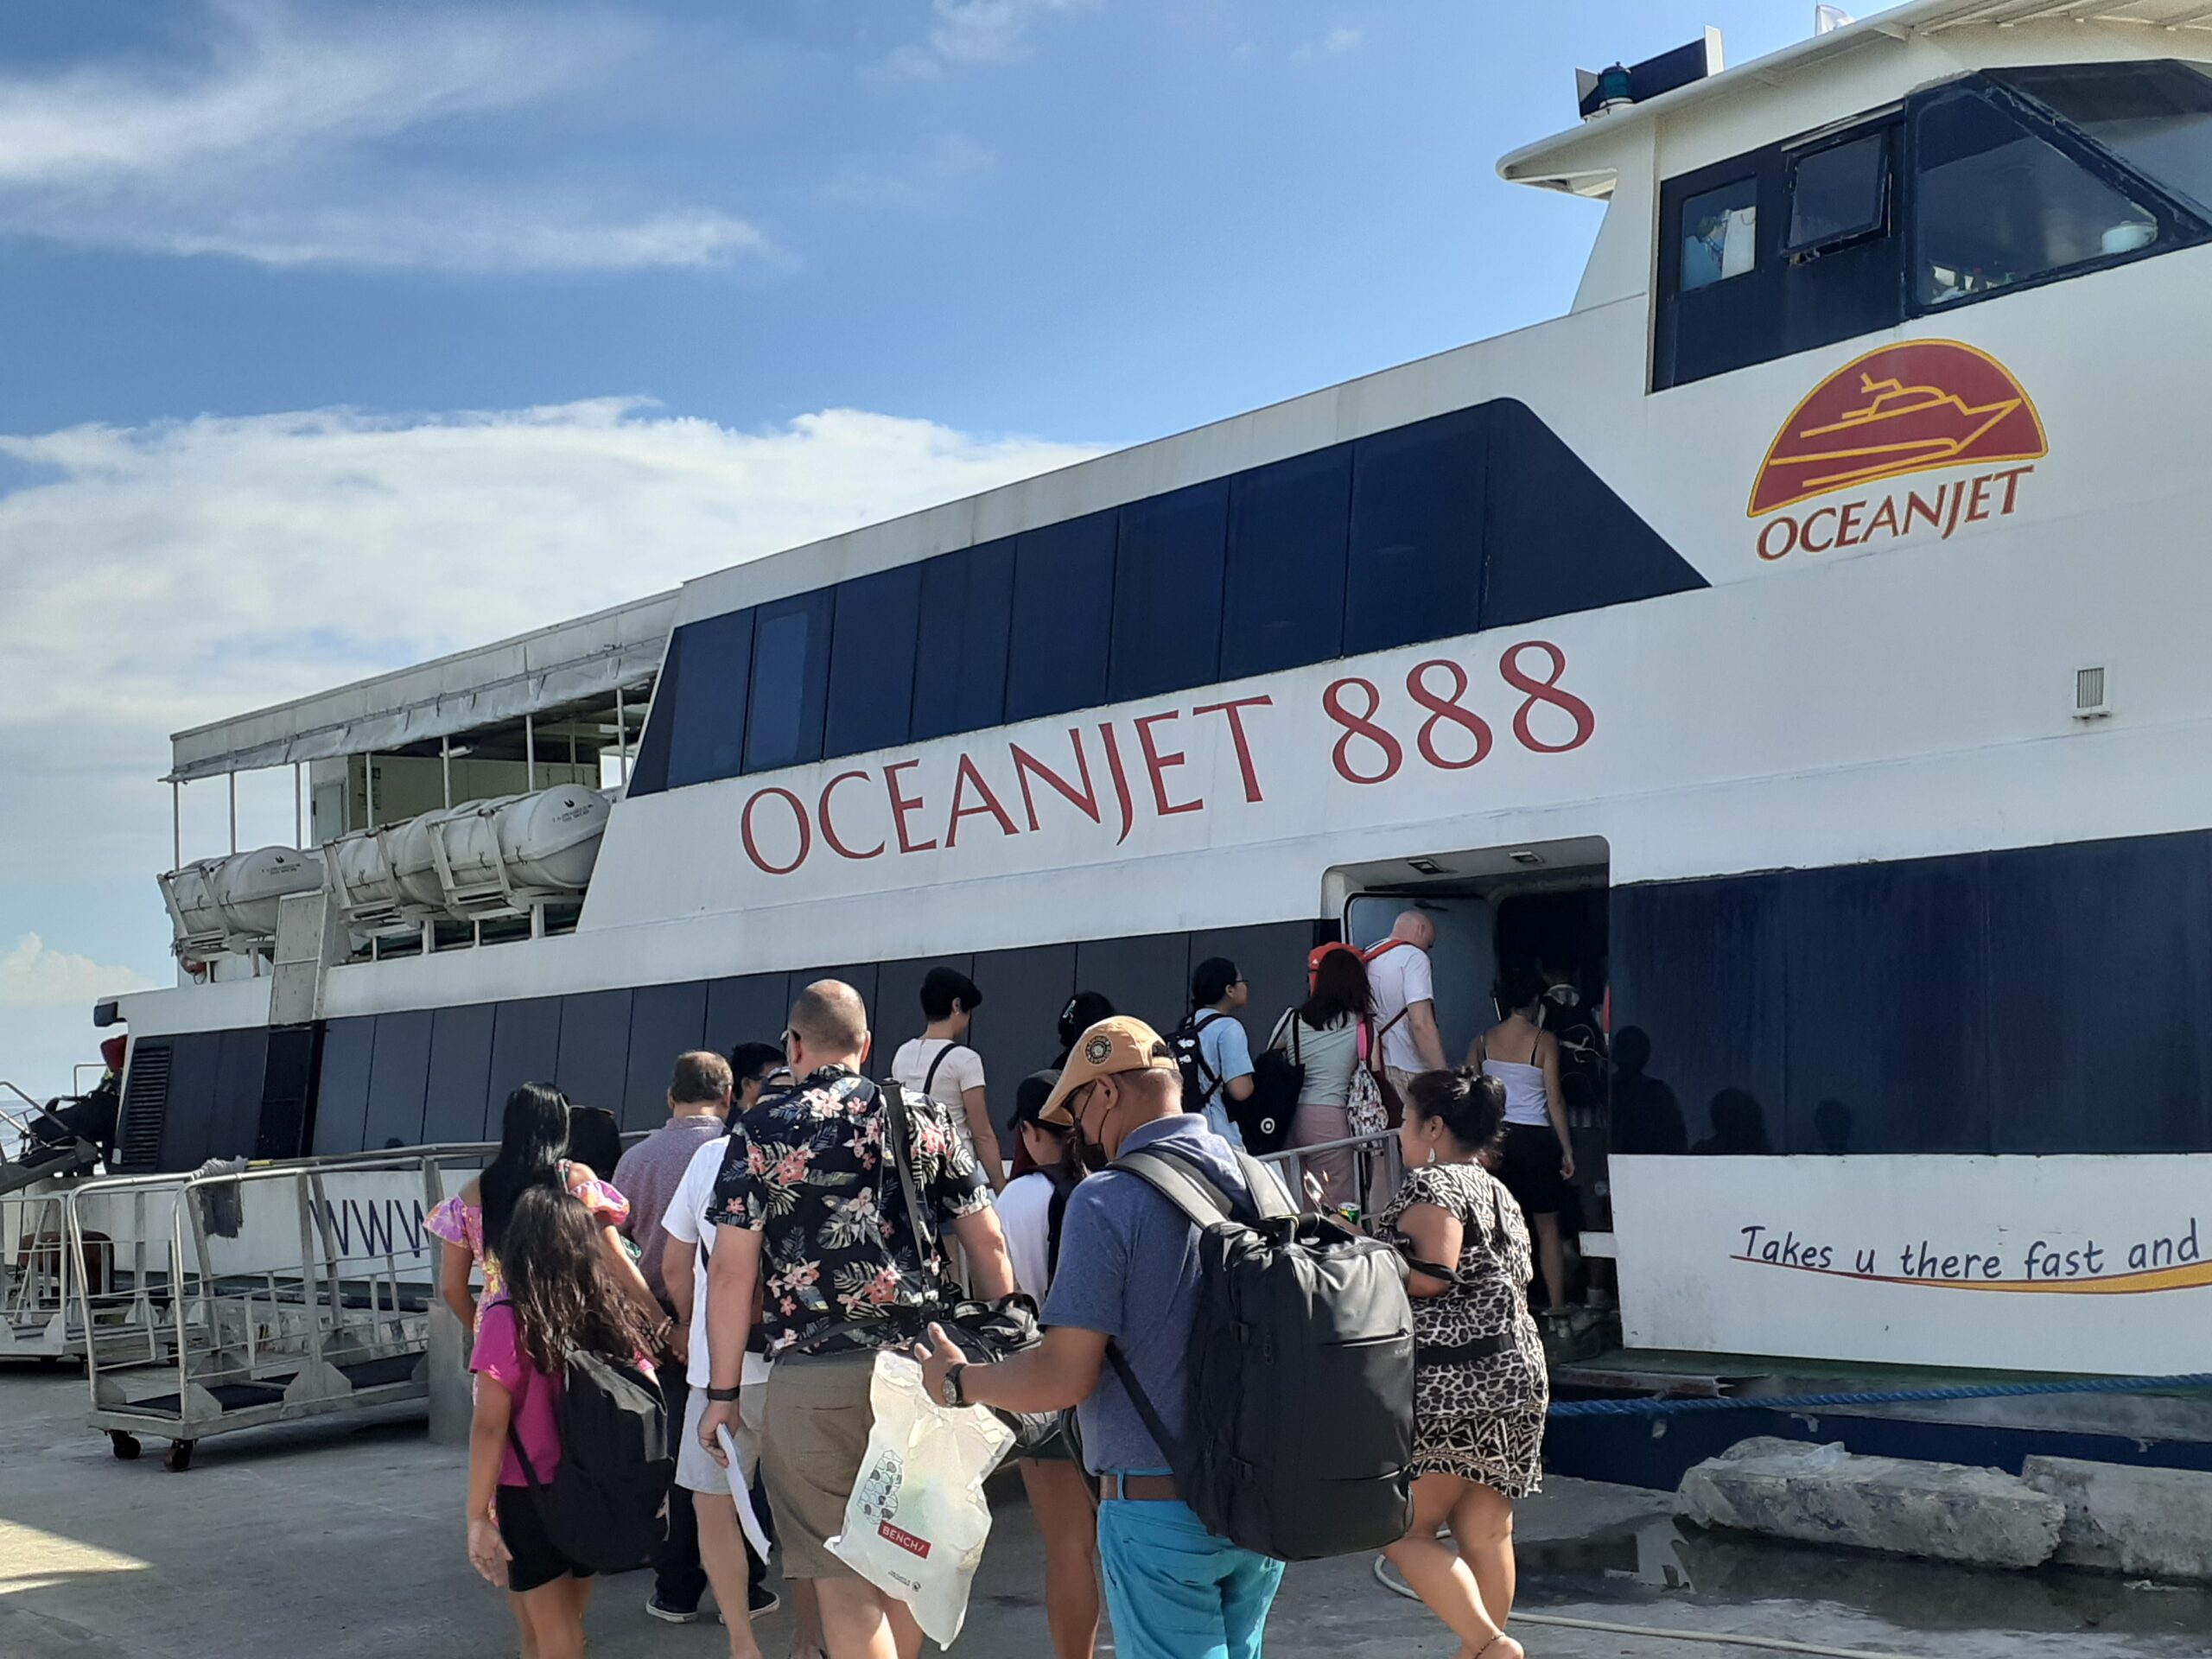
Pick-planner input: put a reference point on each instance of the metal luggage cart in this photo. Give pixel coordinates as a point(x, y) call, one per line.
point(280, 1304)
point(57, 1303)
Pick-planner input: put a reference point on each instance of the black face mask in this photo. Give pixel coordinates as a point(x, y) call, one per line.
point(1087, 1155)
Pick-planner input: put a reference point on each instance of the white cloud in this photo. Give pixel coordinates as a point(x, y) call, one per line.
point(34, 975)
point(255, 152)
point(1338, 42)
point(975, 31)
point(164, 575)
point(494, 239)
point(915, 181)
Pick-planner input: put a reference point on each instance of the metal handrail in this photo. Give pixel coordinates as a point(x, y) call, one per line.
point(196, 1292)
point(1289, 1154)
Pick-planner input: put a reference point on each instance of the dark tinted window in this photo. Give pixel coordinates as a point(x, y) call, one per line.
point(1416, 562)
point(665, 1020)
point(960, 652)
point(872, 661)
point(592, 1061)
point(1839, 192)
point(791, 675)
point(1023, 994)
point(1697, 971)
point(703, 702)
point(1999, 204)
point(399, 1069)
point(2155, 117)
point(341, 1104)
point(2074, 1013)
point(1063, 611)
point(1888, 999)
point(649, 771)
point(525, 1048)
point(1167, 576)
point(1147, 975)
point(461, 1063)
point(1288, 527)
point(1556, 539)
point(749, 1010)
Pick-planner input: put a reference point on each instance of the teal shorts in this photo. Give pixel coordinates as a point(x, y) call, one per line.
point(1177, 1591)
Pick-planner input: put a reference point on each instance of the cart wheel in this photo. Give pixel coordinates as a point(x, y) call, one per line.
point(126, 1445)
point(179, 1458)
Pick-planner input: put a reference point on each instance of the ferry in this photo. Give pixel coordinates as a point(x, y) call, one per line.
point(1803, 636)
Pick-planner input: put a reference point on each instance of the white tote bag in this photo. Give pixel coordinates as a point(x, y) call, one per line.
point(917, 1521)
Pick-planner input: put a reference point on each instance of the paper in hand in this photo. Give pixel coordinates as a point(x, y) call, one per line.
point(754, 1534)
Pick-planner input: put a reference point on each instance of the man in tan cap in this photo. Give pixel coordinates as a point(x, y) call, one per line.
point(1127, 1277)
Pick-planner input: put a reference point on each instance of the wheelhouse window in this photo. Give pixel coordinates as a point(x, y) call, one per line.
point(1721, 234)
point(2156, 117)
point(1997, 204)
point(1839, 192)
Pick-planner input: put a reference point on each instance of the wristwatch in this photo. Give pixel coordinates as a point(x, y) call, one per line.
point(951, 1391)
point(722, 1396)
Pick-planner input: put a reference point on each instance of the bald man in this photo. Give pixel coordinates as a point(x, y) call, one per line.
point(803, 1165)
point(1405, 1000)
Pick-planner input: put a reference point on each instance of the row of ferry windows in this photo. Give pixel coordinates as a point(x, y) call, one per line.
point(1357, 548)
point(1992, 182)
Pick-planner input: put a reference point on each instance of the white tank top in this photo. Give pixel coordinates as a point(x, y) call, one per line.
point(1524, 1089)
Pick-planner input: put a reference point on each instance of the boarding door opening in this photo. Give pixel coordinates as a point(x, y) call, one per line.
point(1535, 909)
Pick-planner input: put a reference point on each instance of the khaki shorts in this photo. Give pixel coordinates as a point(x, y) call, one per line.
point(696, 1470)
point(813, 1442)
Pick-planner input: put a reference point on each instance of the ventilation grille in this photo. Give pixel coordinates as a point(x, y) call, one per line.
point(145, 1108)
point(2090, 702)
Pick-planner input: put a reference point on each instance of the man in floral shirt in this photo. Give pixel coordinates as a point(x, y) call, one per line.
point(814, 1228)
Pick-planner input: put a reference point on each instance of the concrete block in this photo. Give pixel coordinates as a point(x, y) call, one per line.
point(1824, 1494)
point(2149, 1523)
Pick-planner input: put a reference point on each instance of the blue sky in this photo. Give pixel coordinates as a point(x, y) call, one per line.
point(336, 335)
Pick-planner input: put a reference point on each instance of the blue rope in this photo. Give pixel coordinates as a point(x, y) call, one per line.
point(1669, 1407)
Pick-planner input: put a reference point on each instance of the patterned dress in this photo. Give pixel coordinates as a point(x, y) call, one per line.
point(460, 1223)
point(1482, 1420)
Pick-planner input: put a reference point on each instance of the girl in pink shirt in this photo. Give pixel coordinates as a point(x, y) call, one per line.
point(559, 1295)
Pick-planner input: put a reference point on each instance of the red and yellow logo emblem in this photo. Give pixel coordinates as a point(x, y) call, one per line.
point(1903, 409)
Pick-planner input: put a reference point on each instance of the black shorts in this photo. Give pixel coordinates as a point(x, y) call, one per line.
point(1530, 1167)
point(535, 1562)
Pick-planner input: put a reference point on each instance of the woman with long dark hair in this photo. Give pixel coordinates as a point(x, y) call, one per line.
point(1330, 1035)
point(558, 1294)
point(1479, 1386)
point(533, 1145)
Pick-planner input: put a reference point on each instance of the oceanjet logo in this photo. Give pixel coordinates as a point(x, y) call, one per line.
point(1927, 405)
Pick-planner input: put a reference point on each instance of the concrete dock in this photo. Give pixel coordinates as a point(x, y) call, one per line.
point(314, 1539)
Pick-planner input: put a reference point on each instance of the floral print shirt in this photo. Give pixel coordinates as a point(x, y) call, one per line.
point(805, 1169)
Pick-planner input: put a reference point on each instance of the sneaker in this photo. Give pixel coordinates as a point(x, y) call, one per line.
point(761, 1601)
point(669, 1615)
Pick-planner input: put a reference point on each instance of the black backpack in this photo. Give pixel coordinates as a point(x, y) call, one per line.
point(607, 1506)
point(1264, 1117)
point(1301, 1374)
point(1198, 1080)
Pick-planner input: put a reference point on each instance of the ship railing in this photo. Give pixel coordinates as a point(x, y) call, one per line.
point(57, 1302)
point(1377, 1167)
point(270, 1294)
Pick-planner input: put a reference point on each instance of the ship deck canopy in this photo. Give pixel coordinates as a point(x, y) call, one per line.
point(1582, 161)
point(586, 660)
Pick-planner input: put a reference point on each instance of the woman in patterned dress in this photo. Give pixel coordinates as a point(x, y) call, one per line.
point(533, 1138)
point(1480, 1390)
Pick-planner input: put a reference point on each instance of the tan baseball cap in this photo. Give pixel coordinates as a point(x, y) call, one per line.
point(1120, 1043)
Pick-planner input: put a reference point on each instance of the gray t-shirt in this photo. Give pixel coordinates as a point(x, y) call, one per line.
point(1129, 1269)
